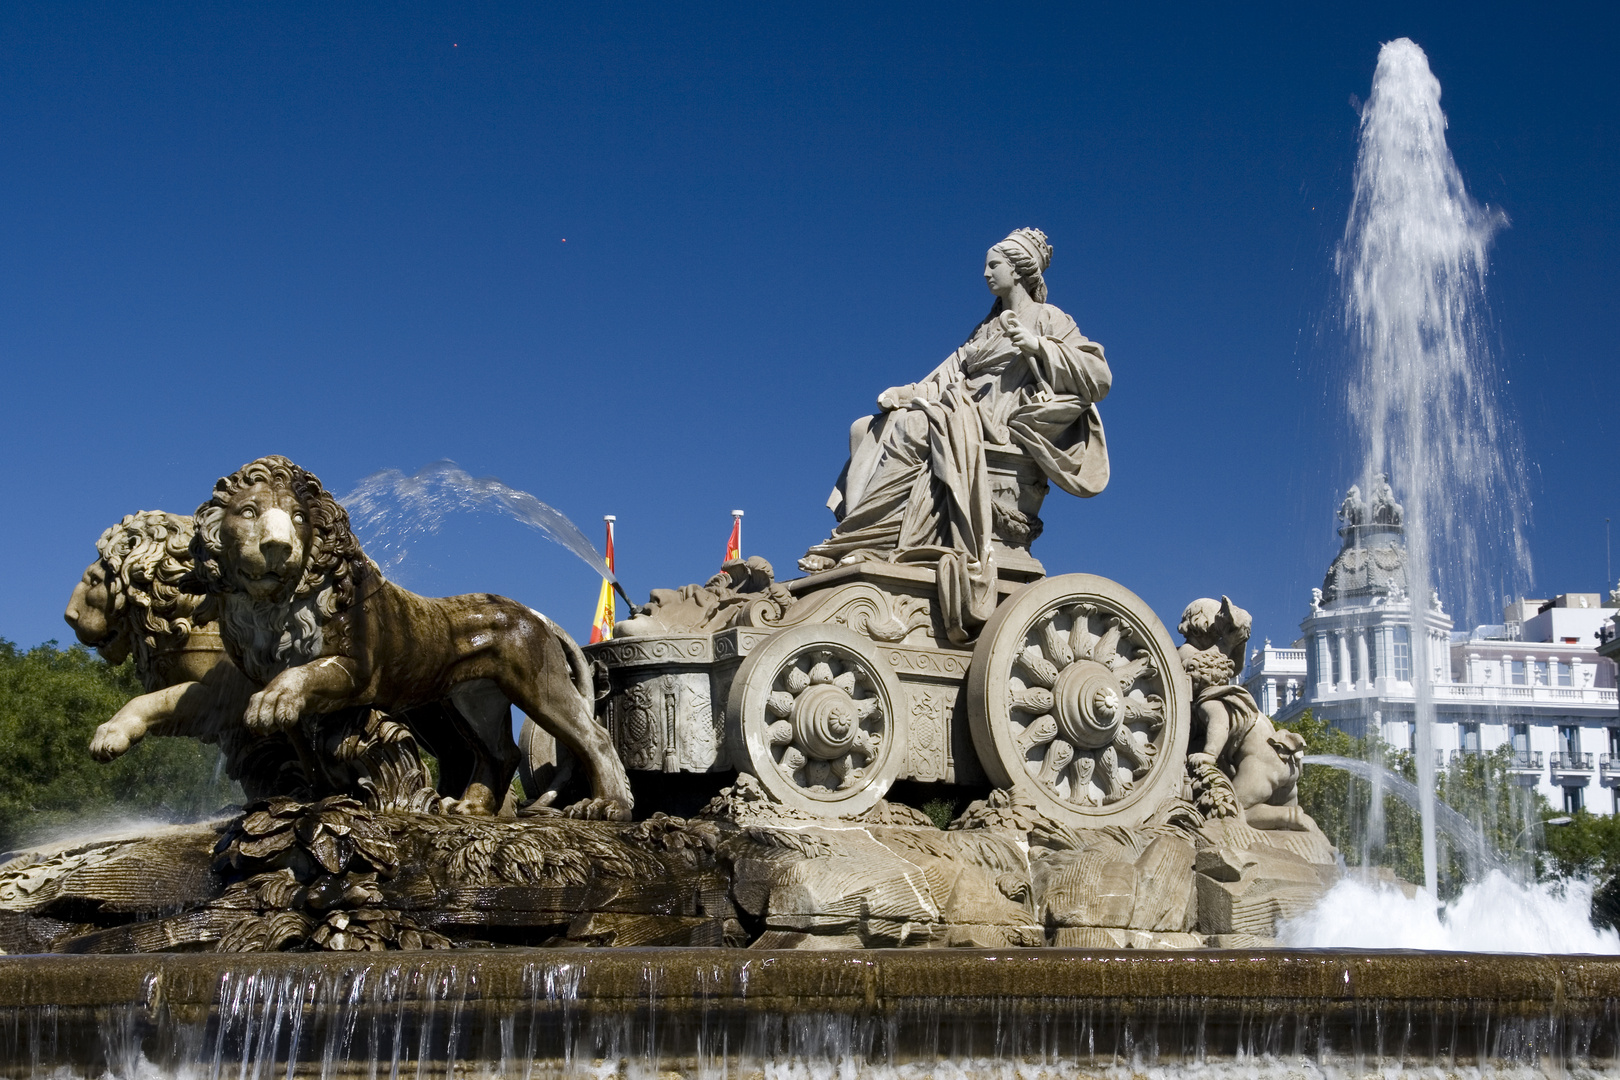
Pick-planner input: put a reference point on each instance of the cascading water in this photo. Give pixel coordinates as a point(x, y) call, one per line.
point(387, 509)
point(1422, 396)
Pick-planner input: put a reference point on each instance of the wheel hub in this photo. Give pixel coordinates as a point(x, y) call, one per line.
point(1087, 704)
point(824, 722)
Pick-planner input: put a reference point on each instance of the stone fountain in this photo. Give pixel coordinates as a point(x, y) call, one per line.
point(719, 856)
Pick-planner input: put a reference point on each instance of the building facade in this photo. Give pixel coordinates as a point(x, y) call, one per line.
point(1535, 682)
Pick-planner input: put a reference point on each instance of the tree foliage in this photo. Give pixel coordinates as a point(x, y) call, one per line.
point(51, 700)
point(1478, 786)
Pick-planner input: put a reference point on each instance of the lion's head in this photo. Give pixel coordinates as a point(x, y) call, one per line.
point(276, 546)
point(137, 594)
point(272, 532)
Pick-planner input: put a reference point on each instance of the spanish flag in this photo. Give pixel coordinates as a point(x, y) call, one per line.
point(602, 625)
point(734, 545)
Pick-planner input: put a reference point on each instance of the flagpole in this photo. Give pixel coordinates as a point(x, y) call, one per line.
point(736, 515)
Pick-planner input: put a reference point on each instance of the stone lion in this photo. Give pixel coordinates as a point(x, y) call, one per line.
point(137, 598)
point(309, 618)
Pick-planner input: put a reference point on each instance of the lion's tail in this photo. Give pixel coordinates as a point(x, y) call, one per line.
point(578, 666)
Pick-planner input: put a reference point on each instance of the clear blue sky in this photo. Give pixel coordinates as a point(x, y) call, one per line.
point(337, 232)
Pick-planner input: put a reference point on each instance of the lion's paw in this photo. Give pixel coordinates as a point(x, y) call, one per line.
point(598, 810)
point(109, 742)
point(466, 807)
point(271, 710)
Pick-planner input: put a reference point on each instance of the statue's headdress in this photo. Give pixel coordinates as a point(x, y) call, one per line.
point(1030, 255)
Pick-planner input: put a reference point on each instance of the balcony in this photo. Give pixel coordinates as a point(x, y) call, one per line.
point(1567, 767)
point(1462, 756)
point(1609, 770)
point(1525, 766)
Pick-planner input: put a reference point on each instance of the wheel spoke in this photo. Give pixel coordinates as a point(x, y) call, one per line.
point(1039, 667)
point(1055, 643)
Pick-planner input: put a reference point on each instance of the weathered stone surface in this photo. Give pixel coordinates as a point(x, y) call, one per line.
point(1113, 937)
point(1250, 891)
point(1164, 884)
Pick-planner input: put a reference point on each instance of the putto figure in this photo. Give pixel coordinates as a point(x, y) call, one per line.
point(916, 488)
point(1241, 766)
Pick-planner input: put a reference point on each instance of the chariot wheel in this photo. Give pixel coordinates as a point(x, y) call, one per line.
point(1076, 696)
point(818, 717)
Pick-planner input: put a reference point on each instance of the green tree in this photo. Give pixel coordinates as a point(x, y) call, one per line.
point(51, 700)
point(1478, 786)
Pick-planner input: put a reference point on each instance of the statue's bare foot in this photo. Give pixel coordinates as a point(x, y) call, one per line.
point(815, 564)
point(539, 808)
point(598, 810)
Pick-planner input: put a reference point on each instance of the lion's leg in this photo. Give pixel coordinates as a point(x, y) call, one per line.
point(547, 694)
point(150, 714)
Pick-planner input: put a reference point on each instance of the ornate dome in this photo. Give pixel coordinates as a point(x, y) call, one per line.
point(1372, 561)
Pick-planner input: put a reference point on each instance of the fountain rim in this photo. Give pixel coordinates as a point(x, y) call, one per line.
point(865, 981)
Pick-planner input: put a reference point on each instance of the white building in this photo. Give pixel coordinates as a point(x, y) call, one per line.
point(1535, 682)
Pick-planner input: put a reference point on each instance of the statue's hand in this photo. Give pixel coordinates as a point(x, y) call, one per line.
point(896, 397)
point(1028, 341)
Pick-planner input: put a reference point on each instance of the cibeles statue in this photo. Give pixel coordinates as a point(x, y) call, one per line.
point(917, 488)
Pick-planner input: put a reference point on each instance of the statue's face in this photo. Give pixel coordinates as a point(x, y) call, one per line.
point(90, 613)
point(999, 273)
point(265, 536)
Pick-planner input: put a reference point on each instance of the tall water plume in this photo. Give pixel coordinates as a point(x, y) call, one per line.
point(1422, 396)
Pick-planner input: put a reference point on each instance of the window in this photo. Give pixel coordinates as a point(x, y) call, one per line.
point(1569, 740)
point(1333, 654)
point(1614, 743)
point(1521, 738)
point(1517, 668)
point(1572, 800)
point(1563, 674)
point(1470, 738)
point(1403, 654)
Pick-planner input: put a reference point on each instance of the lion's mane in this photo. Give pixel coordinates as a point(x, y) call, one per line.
point(148, 561)
point(264, 638)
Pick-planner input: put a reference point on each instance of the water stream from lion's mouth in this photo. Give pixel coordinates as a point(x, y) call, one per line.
point(389, 509)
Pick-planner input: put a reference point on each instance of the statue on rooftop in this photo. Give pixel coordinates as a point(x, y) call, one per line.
point(916, 487)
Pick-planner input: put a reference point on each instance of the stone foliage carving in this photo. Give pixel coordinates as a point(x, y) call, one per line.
point(1240, 765)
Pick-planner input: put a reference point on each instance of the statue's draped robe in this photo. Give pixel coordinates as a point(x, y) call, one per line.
point(915, 488)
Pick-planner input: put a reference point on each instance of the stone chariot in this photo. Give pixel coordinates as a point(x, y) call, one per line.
point(1072, 692)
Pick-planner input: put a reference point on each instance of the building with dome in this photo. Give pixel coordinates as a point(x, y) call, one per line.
point(1535, 681)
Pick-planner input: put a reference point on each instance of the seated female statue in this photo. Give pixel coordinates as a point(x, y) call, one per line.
point(915, 487)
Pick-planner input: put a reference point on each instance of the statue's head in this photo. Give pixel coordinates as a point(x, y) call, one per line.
point(272, 532)
point(1218, 623)
point(1021, 259)
point(137, 591)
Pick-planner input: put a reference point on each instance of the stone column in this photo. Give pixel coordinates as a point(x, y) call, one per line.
point(1346, 679)
point(1324, 664)
point(1361, 657)
point(1271, 697)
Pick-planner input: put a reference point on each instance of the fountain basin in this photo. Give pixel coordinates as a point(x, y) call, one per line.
point(523, 1012)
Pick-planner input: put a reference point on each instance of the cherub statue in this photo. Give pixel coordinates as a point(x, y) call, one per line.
point(1242, 766)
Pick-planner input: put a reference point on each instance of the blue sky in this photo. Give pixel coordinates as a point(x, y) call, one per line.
point(652, 260)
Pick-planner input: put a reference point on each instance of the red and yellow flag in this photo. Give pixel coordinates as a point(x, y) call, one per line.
point(602, 625)
point(734, 545)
